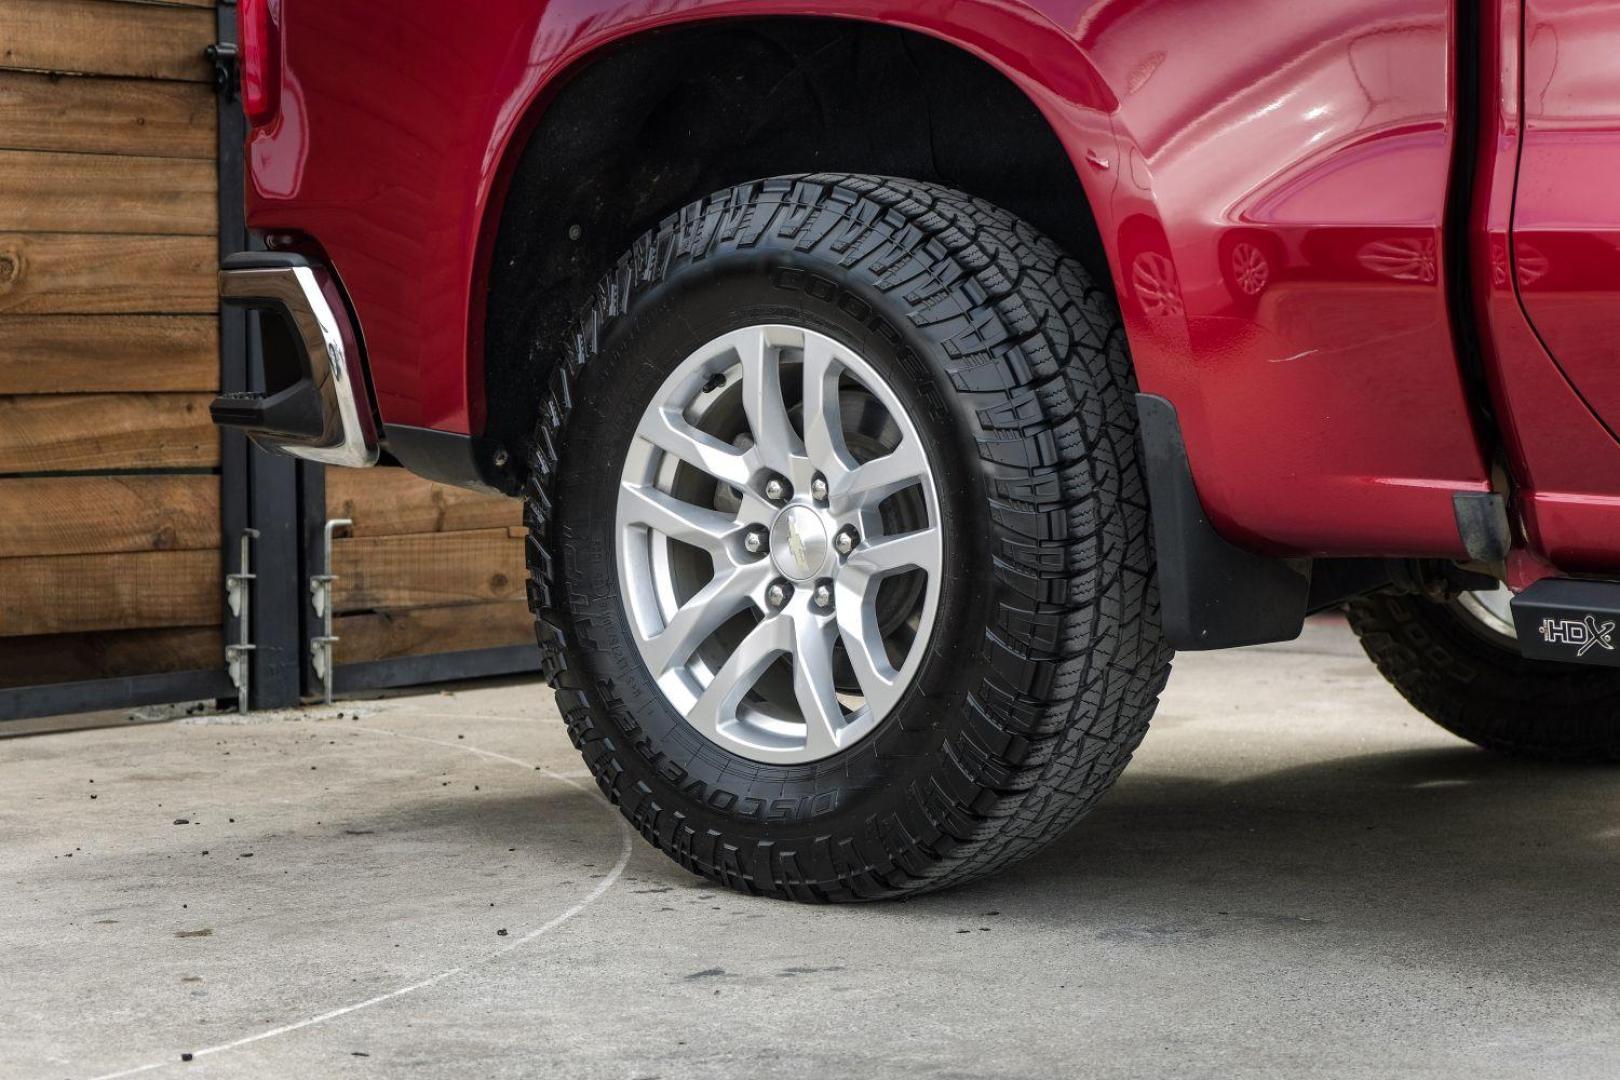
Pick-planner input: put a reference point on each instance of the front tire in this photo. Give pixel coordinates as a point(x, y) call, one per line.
point(1029, 661)
point(1457, 663)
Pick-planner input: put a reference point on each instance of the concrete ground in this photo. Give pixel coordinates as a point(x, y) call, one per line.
point(1299, 875)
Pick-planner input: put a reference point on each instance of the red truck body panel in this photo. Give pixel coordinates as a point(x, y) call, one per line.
point(1566, 215)
point(1270, 181)
point(1565, 460)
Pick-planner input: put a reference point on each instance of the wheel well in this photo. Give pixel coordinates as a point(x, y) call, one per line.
point(669, 117)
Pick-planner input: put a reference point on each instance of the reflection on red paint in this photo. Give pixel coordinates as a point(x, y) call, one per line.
point(278, 154)
point(1403, 260)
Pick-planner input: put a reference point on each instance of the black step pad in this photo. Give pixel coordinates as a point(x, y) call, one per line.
point(294, 413)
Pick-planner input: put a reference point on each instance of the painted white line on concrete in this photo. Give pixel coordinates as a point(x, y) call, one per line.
point(559, 774)
point(590, 898)
point(492, 755)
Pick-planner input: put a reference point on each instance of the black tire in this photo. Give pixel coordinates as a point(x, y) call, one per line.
point(1455, 672)
point(1047, 660)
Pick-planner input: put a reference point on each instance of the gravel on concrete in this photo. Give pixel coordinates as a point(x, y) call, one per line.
point(1299, 876)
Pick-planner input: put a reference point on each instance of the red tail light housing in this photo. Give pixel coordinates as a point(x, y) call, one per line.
point(258, 28)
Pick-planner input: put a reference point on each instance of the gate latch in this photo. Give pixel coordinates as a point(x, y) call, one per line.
point(223, 55)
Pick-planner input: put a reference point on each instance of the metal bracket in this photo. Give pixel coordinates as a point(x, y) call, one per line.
point(320, 598)
point(238, 597)
point(223, 55)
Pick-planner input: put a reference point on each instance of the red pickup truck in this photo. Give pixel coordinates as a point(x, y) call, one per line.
point(894, 384)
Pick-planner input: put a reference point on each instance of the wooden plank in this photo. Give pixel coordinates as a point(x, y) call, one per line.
point(58, 354)
point(107, 116)
point(385, 635)
point(77, 515)
point(66, 273)
point(94, 37)
point(57, 658)
point(105, 193)
point(80, 432)
point(180, 3)
point(387, 501)
point(433, 569)
point(76, 593)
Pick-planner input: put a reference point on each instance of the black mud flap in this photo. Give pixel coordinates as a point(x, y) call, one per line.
point(1576, 622)
point(1212, 593)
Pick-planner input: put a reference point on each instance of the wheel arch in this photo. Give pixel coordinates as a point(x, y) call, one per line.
point(623, 117)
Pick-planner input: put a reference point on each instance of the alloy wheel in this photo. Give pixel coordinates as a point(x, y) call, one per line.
point(778, 544)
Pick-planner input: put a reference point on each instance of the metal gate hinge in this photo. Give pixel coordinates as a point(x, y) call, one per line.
point(320, 598)
point(238, 597)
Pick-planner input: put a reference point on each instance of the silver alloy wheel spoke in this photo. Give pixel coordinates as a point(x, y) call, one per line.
point(675, 518)
point(858, 628)
point(890, 554)
point(881, 477)
point(813, 682)
point(727, 593)
point(743, 641)
point(823, 414)
point(665, 429)
point(774, 439)
point(718, 704)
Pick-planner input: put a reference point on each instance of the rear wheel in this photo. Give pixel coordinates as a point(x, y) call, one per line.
point(839, 544)
point(1458, 663)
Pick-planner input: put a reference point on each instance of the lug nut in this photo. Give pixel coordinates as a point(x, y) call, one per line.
point(756, 540)
point(818, 488)
point(776, 489)
point(845, 541)
point(823, 596)
point(778, 593)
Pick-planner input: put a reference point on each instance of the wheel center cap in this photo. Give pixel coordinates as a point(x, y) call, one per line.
point(799, 543)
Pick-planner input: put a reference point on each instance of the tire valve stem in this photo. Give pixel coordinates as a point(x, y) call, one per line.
point(823, 596)
point(778, 593)
point(845, 541)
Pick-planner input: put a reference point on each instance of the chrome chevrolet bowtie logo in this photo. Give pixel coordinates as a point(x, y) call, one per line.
point(796, 545)
point(799, 543)
point(1584, 633)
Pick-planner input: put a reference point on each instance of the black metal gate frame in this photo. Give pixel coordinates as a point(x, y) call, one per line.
point(397, 671)
point(280, 504)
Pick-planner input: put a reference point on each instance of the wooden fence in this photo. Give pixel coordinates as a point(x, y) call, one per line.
point(110, 490)
point(109, 347)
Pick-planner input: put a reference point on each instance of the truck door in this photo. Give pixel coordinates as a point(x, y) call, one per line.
point(1566, 220)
